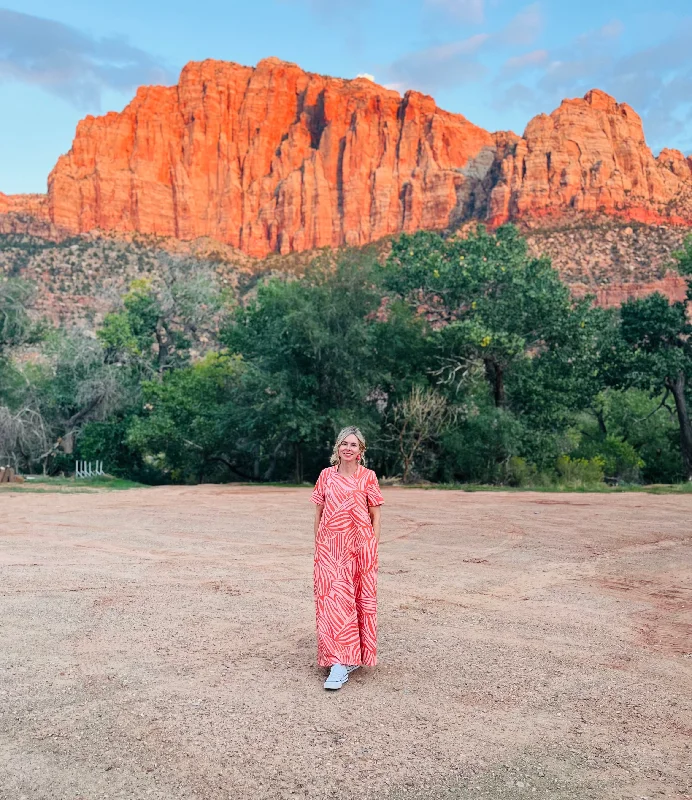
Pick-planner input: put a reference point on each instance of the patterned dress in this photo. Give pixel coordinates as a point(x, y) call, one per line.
point(346, 568)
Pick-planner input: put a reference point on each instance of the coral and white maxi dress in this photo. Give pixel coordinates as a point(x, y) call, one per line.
point(346, 568)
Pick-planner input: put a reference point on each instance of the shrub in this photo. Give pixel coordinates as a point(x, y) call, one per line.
point(580, 472)
point(479, 449)
point(621, 461)
point(520, 472)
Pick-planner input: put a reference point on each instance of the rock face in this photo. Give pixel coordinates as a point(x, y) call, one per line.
point(274, 159)
point(590, 156)
point(33, 205)
point(28, 214)
point(271, 159)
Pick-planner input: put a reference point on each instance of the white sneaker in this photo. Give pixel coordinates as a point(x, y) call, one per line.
point(337, 677)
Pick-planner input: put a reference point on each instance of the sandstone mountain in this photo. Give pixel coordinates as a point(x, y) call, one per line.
point(273, 159)
point(590, 156)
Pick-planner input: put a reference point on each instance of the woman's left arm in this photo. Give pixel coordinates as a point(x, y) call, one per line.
point(374, 512)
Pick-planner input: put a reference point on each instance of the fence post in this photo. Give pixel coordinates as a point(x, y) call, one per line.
point(88, 469)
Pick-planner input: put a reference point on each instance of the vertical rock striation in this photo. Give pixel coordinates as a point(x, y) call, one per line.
point(275, 159)
point(271, 159)
point(590, 156)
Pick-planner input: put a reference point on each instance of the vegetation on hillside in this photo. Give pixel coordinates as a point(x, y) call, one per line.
point(462, 360)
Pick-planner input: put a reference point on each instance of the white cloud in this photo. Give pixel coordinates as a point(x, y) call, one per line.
point(439, 66)
point(524, 28)
point(523, 63)
point(69, 63)
point(612, 30)
point(456, 63)
point(471, 11)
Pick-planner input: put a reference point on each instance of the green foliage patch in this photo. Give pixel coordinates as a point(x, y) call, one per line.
point(465, 361)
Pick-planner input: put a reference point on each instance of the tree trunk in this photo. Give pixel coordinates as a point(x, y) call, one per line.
point(495, 375)
point(73, 423)
point(268, 475)
point(67, 443)
point(163, 342)
point(299, 463)
point(677, 388)
point(407, 469)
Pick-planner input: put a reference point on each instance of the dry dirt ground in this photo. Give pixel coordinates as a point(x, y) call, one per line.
point(159, 643)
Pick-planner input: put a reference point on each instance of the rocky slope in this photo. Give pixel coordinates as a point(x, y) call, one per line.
point(611, 259)
point(81, 278)
point(275, 159)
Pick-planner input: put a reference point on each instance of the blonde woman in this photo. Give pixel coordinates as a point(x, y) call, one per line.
point(347, 533)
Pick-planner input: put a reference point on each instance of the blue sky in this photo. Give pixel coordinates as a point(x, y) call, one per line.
point(498, 62)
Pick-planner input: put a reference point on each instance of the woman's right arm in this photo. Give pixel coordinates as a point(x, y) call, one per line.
point(318, 517)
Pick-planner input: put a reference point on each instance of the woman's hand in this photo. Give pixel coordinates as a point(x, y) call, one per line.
point(318, 517)
point(374, 512)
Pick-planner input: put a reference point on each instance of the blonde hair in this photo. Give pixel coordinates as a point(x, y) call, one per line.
point(350, 430)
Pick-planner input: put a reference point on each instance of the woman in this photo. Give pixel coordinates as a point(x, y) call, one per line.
point(347, 533)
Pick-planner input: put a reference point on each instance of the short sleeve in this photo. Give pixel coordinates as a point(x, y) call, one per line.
point(373, 491)
point(317, 495)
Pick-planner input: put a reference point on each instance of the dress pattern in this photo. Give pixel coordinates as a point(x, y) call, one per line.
point(346, 568)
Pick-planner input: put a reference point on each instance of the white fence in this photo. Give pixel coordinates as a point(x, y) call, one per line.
point(88, 469)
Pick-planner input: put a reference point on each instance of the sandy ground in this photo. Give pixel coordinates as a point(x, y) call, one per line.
point(159, 643)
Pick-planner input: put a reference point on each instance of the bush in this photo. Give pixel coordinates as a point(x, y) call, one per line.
point(621, 461)
point(520, 472)
point(479, 449)
point(580, 472)
point(107, 442)
point(638, 438)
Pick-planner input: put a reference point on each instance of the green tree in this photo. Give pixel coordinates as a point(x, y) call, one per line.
point(492, 302)
point(635, 433)
point(551, 388)
point(165, 320)
point(657, 351)
point(659, 334)
point(312, 362)
point(187, 429)
point(496, 311)
point(65, 385)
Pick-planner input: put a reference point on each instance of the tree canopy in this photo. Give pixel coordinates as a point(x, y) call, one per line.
point(462, 358)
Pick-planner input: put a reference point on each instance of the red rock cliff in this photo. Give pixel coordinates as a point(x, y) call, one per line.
point(276, 159)
point(33, 205)
point(590, 155)
point(271, 159)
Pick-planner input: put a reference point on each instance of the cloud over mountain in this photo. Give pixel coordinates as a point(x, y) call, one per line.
point(69, 63)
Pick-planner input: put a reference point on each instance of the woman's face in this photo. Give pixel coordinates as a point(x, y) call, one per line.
point(349, 449)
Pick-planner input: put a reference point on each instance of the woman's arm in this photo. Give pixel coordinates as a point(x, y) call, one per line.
point(375, 517)
point(318, 517)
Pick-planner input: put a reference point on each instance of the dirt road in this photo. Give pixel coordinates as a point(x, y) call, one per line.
point(159, 643)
